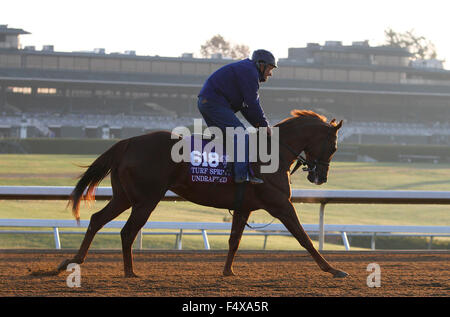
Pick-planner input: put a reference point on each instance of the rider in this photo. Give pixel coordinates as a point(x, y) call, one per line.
point(232, 88)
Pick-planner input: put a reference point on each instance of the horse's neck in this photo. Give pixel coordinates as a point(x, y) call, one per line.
point(296, 136)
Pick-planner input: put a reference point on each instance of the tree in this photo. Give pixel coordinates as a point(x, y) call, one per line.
point(419, 46)
point(240, 51)
point(218, 45)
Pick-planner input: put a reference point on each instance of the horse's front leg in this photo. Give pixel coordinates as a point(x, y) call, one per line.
point(237, 228)
point(287, 215)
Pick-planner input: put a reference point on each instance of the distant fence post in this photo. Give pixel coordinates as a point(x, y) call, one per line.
point(265, 241)
point(321, 226)
point(179, 243)
point(372, 242)
point(205, 239)
point(56, 236)
point(345, 240)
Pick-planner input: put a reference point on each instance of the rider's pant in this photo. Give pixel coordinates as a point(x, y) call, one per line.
point(217, 115)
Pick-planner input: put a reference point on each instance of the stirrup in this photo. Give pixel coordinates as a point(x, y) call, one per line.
point(251, 179)
point(255, 180)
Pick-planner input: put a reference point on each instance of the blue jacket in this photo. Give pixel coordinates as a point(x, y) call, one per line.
point(236, 86)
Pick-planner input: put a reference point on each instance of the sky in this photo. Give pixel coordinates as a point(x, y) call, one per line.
point(171, 28)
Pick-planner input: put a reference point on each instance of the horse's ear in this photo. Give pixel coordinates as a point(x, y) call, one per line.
point(332, 121)
point(339, 125)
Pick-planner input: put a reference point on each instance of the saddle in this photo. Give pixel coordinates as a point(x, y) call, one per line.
point(208, 165)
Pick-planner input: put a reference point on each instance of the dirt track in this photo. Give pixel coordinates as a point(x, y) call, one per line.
point(188, 273)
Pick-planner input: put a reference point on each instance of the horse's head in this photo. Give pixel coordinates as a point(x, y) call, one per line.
point(320, 150)
point(309, 132)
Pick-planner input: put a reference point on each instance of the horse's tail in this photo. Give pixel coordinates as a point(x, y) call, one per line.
point(95, 173)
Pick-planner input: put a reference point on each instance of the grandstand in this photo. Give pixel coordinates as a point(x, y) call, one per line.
point(381, 94)
point(396, 133)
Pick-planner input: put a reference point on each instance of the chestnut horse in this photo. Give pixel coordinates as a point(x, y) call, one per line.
point(142, 171)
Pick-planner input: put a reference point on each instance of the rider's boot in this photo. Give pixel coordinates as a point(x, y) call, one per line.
point(248, 178)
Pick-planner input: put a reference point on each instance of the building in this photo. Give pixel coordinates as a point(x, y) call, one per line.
point(9, 37)
point(358, 83)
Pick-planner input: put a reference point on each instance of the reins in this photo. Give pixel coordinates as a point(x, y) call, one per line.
point(302, 161)
point(254, 228)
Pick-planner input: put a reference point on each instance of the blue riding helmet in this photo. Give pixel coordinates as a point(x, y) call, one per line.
point(263, 56)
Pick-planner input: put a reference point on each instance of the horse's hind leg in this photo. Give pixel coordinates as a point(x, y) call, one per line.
point(237, 228)
point(114, 208)
point(118, 204)
point(139, 216)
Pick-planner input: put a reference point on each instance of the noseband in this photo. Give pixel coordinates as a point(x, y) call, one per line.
point(310, 166)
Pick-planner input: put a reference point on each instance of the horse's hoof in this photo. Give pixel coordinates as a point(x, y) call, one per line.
point(131, 275)
point(340, 274)
point(228, 273)
point(63, 265)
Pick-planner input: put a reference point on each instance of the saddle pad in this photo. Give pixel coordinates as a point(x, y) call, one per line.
point(206, 166)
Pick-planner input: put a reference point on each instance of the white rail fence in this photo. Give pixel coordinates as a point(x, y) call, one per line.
point(322, 197)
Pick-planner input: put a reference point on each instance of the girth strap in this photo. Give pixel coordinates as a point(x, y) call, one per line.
point(239, 196)
point(238, 200)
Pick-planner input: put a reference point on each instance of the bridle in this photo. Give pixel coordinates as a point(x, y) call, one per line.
point(310, 166)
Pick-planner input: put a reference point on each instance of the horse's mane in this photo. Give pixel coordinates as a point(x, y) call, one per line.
point(308, 113)
point(305, 114)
